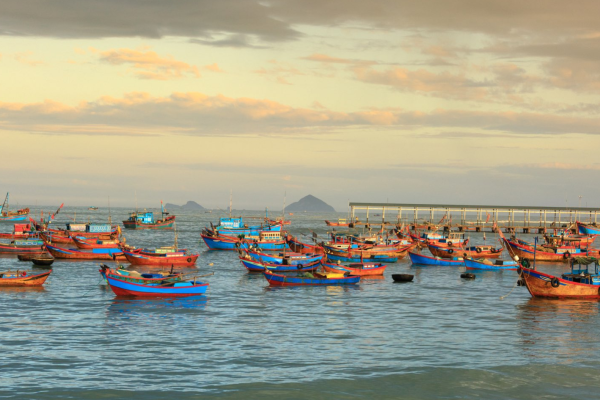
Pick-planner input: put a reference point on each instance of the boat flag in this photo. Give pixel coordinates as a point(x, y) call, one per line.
point(488, 218)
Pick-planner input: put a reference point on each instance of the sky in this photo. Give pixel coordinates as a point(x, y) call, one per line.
point(431, 101)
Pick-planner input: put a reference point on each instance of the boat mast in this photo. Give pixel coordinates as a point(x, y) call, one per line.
point(175, 229)
point(109, 216)
point(136, 207)
point(5, 204)
point(230, 201)
point(283, 211)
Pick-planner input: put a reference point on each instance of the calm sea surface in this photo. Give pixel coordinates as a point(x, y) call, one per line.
point(438, 337)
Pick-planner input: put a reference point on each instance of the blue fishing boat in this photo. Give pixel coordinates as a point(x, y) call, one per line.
point(421, 259)
point(253, 265)
point(152, 287)
point(310, 279)
point(145, 220)
point(376, 258)
point(588, 229)
point(284, 258)
point(492, 265)
point(236, 226)
point(271, 241)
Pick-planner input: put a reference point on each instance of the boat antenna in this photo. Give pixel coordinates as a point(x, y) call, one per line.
point(283, 211)
point(136, 207)
point(230, 201)
point(175, 229)
point(109, 216)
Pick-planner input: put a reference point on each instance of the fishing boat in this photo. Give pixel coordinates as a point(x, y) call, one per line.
point(567, 239)
point(286, 258)
point(22, 278)
point(163, 256)
point(358, 269)
point(300, 247)
point(89, 231)
point(22, 246)
point(592, 228)
point(340, 222)
point(310, 279)
point(272, 241)
point(62, 253)
point(524, 249)
point(235, 226)
point(6, 215)
point(20, 231)
point(352, 258)
point(90, 244)
point(152, 287)
point(92, 208)
point(487, 264)
point(253, 265)
point(578, 284)
point(480, 251)
point(451, 239)
point(145, 220)
point(422, 259)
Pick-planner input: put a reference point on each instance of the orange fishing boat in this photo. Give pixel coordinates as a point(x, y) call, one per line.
point(22, 278)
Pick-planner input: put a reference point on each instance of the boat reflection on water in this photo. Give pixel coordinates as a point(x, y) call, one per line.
point(124, 305)
point(559, 329)
point(22, 290)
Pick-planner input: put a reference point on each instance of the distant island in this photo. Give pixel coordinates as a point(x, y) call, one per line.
point(190, 205)
point(310, 203)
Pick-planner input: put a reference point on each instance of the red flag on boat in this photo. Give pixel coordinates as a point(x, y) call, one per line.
point(488, 218)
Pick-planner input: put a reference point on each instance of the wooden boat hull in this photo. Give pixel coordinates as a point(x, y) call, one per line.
point(540, 284)
point(232, 243)
point(166, 224)
point(331, 223)
point(287, 259)
point(283, 280)
point(451, 252)
point(497, 265)
point(61, 253)
point(367, 270)
point(258, 266)
point(369, 259)
point(586, 229)
point(16, 249)
point(11, 218)
point(300, 247)
point(422, 259)
point(28, 280)
point(91, 244)
point(122, 287)
point(523, 251)
point(181, 260)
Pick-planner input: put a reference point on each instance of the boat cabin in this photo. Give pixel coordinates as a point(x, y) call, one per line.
point(270, 236)
point(22, 228)
point(231, 223)
point(142, 217)
point(582, 274)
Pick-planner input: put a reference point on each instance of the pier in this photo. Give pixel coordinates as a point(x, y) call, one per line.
point(477, 218)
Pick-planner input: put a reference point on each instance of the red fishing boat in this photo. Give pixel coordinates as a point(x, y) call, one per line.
point(165, 256)
point(61, 253)
point(304, 248)
point(22, 278)
point(20, 231)
point(578, 284)
point(90, 244)
point(359, 269)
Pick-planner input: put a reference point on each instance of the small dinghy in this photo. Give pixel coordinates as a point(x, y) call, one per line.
point(43, 260)
point(403, 277)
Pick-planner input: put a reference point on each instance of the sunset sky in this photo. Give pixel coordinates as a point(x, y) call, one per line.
point(446, 101)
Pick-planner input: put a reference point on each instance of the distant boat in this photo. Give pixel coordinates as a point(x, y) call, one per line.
point(19, 215)
point(588, 229)
point(145, 220)
point(93, 208)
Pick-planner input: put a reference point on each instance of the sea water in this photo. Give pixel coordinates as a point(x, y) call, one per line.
point(438, 337)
